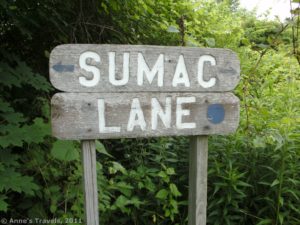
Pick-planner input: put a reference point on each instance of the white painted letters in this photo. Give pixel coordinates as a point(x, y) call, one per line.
point(158, 68)
point(181, 75)
point(102, 123)
point(96, 72)
point(136, 117)
point(112, 69)
point(202, 60)
point(157, 111)
point(180, 112)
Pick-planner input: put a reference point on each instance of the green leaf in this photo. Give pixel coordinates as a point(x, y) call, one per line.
point(244, 184)
point(281, 200)
point(16, 136)
point(162, 194)
point(3, 204)
point(22, 74)
point(174, 190)
point(135, 201)
point(275, 182)
point(37, 132)
point(13, 118)
point(259, 142)
point(118, 167)
point(53, 208)
point(170, 171)
point(101, 149)
point(281, 217)
point(121, 202)
point(64, 150)
point(174, 204)
point(245, 41)
point(265, 221)
point(9, 159)
point(104, 6)
point(162, 174)
point(124, 188)
point(5, 107)
point(12, 180)
point(149, 184)
point(293, 194)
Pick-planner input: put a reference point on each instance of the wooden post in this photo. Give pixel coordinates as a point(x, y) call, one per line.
point(198, 180)
point(90, 182)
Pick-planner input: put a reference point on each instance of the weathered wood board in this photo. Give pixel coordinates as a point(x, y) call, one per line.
point(90, 182)
point(198, 160)
point(134, 68)
point(84, 116)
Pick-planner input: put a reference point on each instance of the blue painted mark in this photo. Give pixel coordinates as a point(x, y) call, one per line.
point(58, 67)
point(215, 113)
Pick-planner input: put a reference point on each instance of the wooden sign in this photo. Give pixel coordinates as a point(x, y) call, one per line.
point(134, 68)
point(144, 91)
point(128, 115)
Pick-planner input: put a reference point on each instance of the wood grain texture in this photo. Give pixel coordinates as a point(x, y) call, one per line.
point(75, 116)
point(65, 71)
point(198, 180)
point(90, 182)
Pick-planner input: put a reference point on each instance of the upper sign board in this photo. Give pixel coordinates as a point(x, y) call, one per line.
point(134, 68)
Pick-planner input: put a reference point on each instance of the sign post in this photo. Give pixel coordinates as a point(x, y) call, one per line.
point(198, 180)
point(130, 91)
point(90, 182)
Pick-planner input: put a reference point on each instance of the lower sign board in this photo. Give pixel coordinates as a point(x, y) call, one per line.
point(80, 116)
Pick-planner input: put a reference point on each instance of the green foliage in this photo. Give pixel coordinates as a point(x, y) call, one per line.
point(63, 150)
point(129, 185)
point(253, 174)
